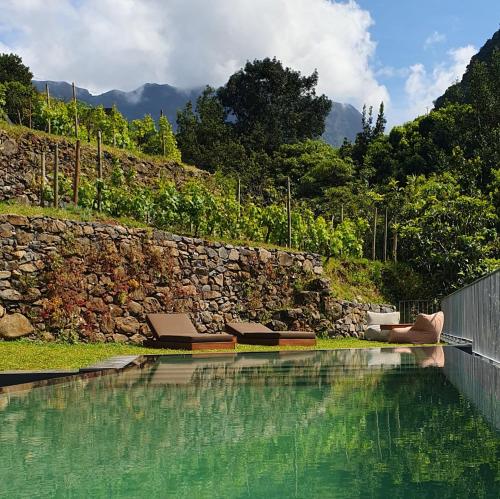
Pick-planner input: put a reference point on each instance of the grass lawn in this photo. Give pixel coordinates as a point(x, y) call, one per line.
point(19, 355)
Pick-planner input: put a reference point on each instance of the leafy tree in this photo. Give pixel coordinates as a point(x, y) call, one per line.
point(204, 138)
point(18, 101)
point(445, 234)
point(369, 133)
point(313, 166)
point(117, 129)
point(273, 105)
point(13, 69)
point(144, 132)
point(379, 160)
point(167, 140)
point(379, 128)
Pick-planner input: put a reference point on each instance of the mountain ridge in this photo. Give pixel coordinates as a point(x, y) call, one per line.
point(344, 120)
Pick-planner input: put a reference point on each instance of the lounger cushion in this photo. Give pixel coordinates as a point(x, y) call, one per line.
point(196, 338)
point(256, 330)
point(179, 328)
point(282, 335)
point(241, 328)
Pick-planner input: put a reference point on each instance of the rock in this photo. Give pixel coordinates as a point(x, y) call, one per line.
point(188, 290)
point(234, 255)
point(319, 284)
point(10, 295)
point(8, 147)
point(27, 267)
point(6, 230)
point(119, 338)
point(138, 339)
point(223, 253)
point(151, 305)
point(46, 336)
point(127, 325)
point(276, 325)
point(15, 326)
point(23, 238)
point(264, 255)
point(134, 307)
point(5, 274)
point(285, 259)
point(2, 311)
point(17, 220)
point(293, 313)
point(308, 298)
point(107, 323)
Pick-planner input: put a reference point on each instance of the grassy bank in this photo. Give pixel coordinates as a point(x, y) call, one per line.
point(19, 355)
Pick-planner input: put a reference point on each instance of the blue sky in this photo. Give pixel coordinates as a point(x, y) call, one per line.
point(404, 52)
point(409, 32)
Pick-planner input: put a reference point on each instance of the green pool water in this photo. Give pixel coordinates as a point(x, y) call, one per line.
point(345, 423)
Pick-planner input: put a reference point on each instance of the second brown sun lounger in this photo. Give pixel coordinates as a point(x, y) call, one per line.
point(253, 333)
point(178, 332)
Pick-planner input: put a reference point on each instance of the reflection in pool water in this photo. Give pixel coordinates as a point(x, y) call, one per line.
point(344, 423)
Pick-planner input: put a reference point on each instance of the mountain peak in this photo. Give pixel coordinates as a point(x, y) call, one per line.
point(343, 121)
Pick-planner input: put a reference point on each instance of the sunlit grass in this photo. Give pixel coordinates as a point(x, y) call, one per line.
point(20, 355)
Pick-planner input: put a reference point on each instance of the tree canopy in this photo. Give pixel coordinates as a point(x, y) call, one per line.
point(273, 105)
point(13, 69)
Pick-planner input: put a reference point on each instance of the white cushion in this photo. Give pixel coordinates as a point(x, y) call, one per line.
point(374, 318)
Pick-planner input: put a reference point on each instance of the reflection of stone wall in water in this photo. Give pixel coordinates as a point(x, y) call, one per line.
point(96, 282)
point(367, 426)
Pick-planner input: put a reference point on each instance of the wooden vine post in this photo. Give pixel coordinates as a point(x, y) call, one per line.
point(42, 179)
point(56, 176)
point(99, 170)
point(47, 94)
point(289, 211)
point(76, 110)
point(395, 247)
point(76, 178)
point(162, 138)
point(374, 241)
point(239, 197)
point(341, 213)
point(385, 234)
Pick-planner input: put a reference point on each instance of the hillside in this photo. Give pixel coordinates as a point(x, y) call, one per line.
point(457, 93)
point(343, 121)
point(21, 149)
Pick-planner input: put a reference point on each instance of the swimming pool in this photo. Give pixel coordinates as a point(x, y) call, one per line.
point(343, 423)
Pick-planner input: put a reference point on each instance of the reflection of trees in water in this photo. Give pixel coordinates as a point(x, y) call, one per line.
point(305, 427)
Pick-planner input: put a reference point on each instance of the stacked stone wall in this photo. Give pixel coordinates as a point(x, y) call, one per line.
point(96, 282)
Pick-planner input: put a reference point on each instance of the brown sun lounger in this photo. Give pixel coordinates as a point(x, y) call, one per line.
point(253, 333)
point(178, 332)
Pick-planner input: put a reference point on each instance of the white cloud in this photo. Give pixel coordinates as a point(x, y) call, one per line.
point(423, 87)
point(433, 39)
point(103, 44)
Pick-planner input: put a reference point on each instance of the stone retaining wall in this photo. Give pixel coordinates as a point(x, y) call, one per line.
point(20, 165)
point(96, 282)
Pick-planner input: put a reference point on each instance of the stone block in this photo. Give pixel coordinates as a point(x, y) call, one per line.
point(10, 295)
point(127, 325)
point(285, 259)
point(15, 326)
